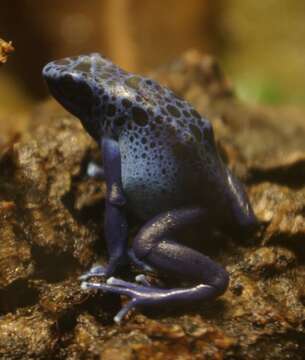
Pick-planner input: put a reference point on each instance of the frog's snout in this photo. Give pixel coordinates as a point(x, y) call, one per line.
point(45, 70)
point(51, 75)
point(50, 71)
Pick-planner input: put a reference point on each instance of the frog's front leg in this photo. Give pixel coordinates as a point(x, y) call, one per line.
point(115, 219)
point(154, 244)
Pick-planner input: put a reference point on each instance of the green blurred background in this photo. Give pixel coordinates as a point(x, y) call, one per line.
point(260, 44)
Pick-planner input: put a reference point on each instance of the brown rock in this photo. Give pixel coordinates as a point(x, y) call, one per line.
point(28, 334)
point(51, 225)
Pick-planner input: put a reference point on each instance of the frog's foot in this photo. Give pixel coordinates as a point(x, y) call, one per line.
point(99, 271)
point(142, 296)
point(95, 171)
point(105, 271)
point(96, 270)
point(138, 293)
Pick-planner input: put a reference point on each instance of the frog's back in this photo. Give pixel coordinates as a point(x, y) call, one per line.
point(170, 159)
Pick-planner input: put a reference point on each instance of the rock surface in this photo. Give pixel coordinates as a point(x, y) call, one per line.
point(51, 221)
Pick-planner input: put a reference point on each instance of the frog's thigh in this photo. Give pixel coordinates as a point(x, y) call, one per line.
point(156, 246)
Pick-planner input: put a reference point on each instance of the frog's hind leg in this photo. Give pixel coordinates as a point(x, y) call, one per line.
point(155, 246)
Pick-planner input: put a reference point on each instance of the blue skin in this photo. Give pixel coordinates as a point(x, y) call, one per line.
point(160, 162)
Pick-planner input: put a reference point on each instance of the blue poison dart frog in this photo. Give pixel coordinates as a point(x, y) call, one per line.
point(160, 161)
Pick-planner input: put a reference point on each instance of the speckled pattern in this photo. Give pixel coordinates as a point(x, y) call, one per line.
point(168, 153)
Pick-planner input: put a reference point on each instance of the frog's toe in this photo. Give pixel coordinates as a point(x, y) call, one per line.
point(95, 171)
point(119, 282)
point(141, 279)
point(97, 270)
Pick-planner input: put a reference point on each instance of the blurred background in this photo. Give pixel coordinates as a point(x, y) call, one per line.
point(260, 44)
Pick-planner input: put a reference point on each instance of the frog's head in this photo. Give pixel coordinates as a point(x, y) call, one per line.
point(70, 81)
